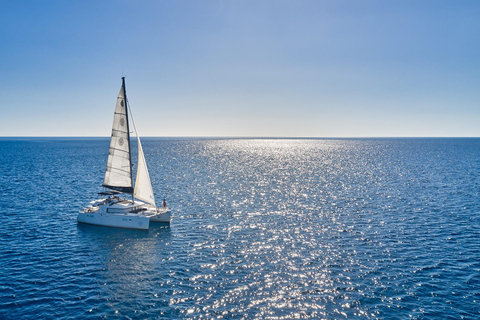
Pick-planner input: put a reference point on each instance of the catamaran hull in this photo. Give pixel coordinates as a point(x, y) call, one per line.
point(161, 217)
point(126, 221)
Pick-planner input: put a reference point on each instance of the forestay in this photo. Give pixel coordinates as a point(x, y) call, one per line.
point(143, 186)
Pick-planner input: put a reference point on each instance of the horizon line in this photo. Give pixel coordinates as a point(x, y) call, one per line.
point(249, 137)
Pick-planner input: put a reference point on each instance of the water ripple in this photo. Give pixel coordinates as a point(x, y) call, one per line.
point(262, 229)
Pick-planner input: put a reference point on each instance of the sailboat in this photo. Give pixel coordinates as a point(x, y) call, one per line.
point(124, 204)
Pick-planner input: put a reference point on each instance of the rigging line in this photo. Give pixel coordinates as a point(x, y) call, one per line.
point(117, 169)
point(120, 150)
point(131, 116)
point(118, 131)
point(136, 132)
point(144, 162)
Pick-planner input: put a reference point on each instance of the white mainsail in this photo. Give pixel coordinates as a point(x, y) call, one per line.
point(118, 174)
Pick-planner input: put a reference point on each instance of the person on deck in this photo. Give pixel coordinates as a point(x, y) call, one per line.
point(164, 204)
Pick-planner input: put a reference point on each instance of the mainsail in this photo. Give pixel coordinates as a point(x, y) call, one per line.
point(118, 175)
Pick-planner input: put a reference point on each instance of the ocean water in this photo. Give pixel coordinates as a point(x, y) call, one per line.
point(261, 229)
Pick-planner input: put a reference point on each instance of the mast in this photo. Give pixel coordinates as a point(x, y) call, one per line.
point(128, 133)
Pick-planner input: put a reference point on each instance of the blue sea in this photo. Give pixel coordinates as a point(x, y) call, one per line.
point(261, 229)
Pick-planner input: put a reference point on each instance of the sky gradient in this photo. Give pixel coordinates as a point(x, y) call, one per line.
point(242, 68)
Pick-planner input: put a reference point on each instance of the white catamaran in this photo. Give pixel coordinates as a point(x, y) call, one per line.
point(115, 210)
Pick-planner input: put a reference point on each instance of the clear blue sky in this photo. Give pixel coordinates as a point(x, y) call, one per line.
point(242, 68)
